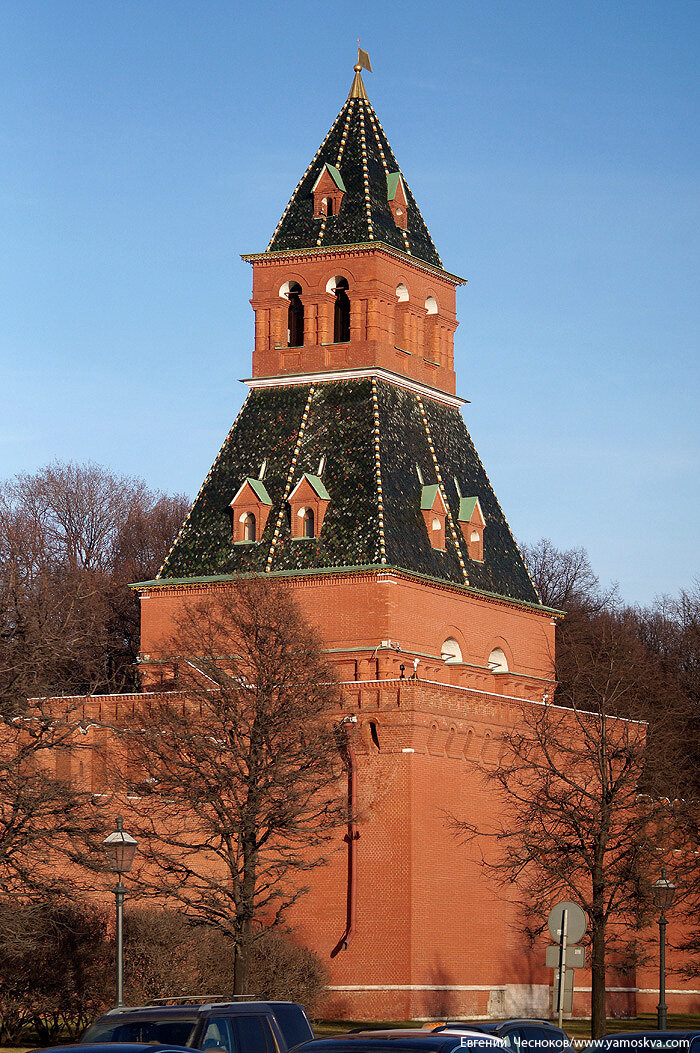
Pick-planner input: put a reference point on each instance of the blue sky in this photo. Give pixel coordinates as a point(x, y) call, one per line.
point(553, 150)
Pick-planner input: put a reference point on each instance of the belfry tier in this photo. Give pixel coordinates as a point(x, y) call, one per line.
point(351, 278)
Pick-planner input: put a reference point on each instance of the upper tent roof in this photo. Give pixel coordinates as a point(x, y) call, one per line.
point(357, 150)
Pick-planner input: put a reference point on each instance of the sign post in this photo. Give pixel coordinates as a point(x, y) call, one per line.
point(567, 924)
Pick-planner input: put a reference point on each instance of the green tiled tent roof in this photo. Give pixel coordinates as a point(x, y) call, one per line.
point(338, 433)
point(357, 149)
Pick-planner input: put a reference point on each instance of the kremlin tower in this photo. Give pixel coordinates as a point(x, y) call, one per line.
point(350, 475)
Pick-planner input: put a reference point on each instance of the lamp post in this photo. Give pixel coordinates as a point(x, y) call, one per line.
point(120, 849)
point(664, 891)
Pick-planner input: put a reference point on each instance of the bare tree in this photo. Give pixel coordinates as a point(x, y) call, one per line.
point(47, 822)
point(244, 765)
point(71, 537)
point(579, 792)
point(54, 969)
point(565, 579)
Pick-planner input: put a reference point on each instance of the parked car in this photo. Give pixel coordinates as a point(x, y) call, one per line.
point(403, 1040)
point(117, 1047)
point(459, 1031)
point(520, 1035)
point(645, 1041)
point(227, 1027)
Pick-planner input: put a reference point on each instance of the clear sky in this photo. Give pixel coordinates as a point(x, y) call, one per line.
point(552, 146)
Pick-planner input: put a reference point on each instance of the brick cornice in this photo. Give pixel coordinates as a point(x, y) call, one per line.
point(335, 251)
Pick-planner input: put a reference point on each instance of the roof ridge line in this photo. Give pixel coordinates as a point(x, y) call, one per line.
point(206, 480)
point(382, 155)
point(378, 473)
point(365, 176)
point(441, 488)
point(398, 168)
point(346, 104)
point(290, 479)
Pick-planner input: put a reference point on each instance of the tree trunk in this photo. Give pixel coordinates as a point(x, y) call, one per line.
point(241, 958)
point(598, 1007)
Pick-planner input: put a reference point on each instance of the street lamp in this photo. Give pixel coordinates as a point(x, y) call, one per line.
point(664, 891)
point(120, 849)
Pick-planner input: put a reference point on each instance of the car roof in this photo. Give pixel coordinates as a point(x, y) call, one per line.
point(120, 1047)
point(426, 1041)
point(393, 1033)
point(490, 1026)
point(186, 1009)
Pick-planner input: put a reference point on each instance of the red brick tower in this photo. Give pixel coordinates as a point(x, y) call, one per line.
point(349, 472)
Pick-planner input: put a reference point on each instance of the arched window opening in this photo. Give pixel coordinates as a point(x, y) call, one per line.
point(308, 522)
point(341, 314)
point(401, 293)
point(373, 733)
point(249, 527)
point(327, 206)
point(498, 663)
point(451, 652)
point(475, 536)
point(437, 525)
point(295, 316)
point(431, 305)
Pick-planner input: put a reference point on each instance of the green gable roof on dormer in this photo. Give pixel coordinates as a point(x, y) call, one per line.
point(317, 486)
point(393, 179)
point(258, 488)
point(428, 495)
point(466, 508)
point(335, 175)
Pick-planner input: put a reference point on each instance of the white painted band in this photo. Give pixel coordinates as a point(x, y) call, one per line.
point(356, 374)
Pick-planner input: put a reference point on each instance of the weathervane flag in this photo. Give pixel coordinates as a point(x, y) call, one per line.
point(363, 60)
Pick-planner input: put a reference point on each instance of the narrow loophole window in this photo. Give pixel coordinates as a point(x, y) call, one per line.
point(308, 522)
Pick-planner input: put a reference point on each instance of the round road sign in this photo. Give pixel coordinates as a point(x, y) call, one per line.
point(575, 921)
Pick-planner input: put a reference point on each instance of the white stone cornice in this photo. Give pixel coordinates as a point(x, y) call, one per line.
point(371, 372)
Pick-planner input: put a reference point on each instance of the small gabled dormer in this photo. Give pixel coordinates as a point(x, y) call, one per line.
point(398, 201)
point(328, 192)
point(434, 513)
point(308, 502)
point(472, 522)
point(250, 507)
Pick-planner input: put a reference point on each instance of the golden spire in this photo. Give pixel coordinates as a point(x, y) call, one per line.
point(357, 90)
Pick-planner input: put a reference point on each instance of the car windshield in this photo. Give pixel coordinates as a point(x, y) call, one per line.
point(177, 1032)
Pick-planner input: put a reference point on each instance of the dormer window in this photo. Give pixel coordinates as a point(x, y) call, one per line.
point(434, 512)
point(328, 191)
point(308, 502)
point(250, 507)
point(472, 522)
point(397, 198)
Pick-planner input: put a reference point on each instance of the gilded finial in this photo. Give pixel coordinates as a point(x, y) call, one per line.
point(357, 90)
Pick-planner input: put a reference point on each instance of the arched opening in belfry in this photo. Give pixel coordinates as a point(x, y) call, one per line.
point(341, 314)
point(295, 316)
point(327, 204)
